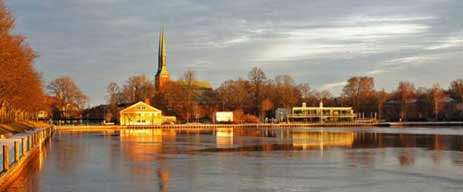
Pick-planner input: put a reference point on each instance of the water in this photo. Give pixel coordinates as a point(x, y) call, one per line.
point(329, 159)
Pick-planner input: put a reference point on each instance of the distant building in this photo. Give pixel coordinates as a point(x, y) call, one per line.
point(162, 76)
point(224, 117)
point(43, 115)
point(203, 90)
point(141, 114)
point(321, 114)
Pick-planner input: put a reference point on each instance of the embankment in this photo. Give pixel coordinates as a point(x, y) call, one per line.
point(10, 129)
point(291, 125)
point(18, 150)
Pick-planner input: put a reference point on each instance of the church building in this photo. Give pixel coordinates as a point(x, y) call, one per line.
point(162, 76)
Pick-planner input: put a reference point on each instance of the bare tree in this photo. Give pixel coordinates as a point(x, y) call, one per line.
point(405, 93)
point(66, 91)
point(305, 90)
point(456, 89)
point(381, 97)
point(137, 88)
point(286, 92)
point(235, 94)
point(113, 94)
point(188, 79)
point(437, 98)
point(257, 79)
point(70, 98)
point(324, 96)
point(308, 95)
point(359, 90)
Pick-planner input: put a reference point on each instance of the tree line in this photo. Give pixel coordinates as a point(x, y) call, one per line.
point(22, 94)
point(256, 98)
point(21, 91)
point(261, 96)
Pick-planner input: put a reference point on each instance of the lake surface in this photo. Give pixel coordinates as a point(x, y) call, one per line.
point(313, 159)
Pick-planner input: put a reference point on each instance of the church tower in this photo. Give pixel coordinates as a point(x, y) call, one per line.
point(162, 75)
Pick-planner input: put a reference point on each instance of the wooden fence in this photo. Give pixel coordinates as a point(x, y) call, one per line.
point(17, 151)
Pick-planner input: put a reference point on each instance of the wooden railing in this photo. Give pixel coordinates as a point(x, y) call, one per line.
point(17, 150)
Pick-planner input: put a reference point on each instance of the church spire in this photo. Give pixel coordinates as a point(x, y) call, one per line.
point(162, 75)
point(162, 54)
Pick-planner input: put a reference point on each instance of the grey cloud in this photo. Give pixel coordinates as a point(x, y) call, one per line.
point(319, 42)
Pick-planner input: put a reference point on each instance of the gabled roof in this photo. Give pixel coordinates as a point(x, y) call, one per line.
point(137, 108)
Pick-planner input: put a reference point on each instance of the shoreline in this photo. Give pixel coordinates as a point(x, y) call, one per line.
point(292, 125)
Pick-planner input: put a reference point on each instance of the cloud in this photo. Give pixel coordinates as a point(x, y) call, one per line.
point(376, 72)
point(336, 41)
point(358, 32)
point(449, 42)
point(406, 62)
point(363, 19)
point(315, 41)
point(411, 60)
point(237, 40)
point(332, 86)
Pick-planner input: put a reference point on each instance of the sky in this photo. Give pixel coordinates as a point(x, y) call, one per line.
point(319, 42)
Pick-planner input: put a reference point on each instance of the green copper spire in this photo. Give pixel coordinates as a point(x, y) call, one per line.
point(162, 54)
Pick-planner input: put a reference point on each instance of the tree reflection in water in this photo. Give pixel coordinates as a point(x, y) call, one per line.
point(172, 160)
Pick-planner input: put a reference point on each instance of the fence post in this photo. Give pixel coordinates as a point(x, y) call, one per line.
point(6, 157)
point(28, 143)
point(23, 147)
point(16, 151)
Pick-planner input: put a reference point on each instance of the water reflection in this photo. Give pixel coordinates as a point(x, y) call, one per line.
point(223, 158)
point(224, 137)
point(32, 170)
point(144, 145)
point(322, 139)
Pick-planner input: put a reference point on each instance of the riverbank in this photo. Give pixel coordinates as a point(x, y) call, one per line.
point(207, 126)
point(10, 129)
point(18, 150)
point(291, 125)
point(415, 124)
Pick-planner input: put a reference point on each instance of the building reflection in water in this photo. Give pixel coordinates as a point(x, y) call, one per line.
point(146, 145)
point(141, 144)
point(224, 137)
point(321, 139)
